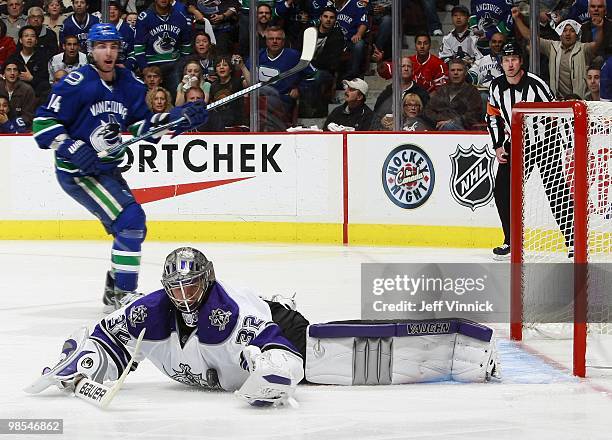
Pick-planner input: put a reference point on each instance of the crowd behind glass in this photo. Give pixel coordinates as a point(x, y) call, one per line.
point(199, 49)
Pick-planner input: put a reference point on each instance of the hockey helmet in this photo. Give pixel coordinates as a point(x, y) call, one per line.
point(187, 276)
point(102, 32)
point(511, 49)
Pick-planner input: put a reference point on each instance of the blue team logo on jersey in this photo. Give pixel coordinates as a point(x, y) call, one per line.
point(408, 176)
point(107, 134)
point(164, 43)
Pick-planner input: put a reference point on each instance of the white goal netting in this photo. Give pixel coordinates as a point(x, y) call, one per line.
point(551, 141)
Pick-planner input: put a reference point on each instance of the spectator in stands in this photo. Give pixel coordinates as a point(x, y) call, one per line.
point(131, 18)
point(384, 102)
point(78, 23)
point(327, 57)
point(68, 60)
point(456, 105)
point(54, 19)
point(222, 15)
point(229, 114)
point(592, 80)
point(381, 17)
point(45, 37)
point(192, 77)
point(460, 42)
point(204, 53)
point(58, 75)
point(194, 94)
point(22, 100)
point(263, 21)
point(597, 14)
point(14, 19)
point(162, 49)
point(34, 62)
point(10, 124)
point(354, 113)
point(568, 58)
point(488, 67)
point(159, 100)
point(431, 14)
point(115, 12)
point(7, 44)
point(152, 77)
point(282, 96)
point(353, 20)
point(430, 72)
point(295, 17)
point(488, 17)
point(412, 115)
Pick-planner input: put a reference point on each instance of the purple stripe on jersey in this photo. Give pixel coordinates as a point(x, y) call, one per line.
point(117, 351)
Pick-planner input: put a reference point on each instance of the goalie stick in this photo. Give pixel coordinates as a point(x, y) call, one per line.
point(308, 49)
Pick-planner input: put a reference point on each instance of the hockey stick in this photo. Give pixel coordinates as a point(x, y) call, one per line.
point(100, 394)
point(308, 49)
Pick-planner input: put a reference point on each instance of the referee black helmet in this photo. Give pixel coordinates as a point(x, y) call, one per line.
point(511, 49)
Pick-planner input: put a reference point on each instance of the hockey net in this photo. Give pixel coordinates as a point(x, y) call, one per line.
point(561, 236)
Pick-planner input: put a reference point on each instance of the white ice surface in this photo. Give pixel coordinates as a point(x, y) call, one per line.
point(51, 288)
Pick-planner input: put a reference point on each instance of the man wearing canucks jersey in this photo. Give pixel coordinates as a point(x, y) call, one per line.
point(163, 35)
point(85, 114)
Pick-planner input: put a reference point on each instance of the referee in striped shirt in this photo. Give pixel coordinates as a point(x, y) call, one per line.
point(517, 85)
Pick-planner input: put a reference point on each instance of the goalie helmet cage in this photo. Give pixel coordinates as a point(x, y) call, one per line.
point(564, 147)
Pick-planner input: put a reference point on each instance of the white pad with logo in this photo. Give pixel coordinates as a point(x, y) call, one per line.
point(382, 353)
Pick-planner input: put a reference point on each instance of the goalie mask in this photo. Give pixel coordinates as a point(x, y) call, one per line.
point(187, 276)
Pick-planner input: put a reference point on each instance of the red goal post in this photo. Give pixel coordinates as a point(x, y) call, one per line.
point(565, 203)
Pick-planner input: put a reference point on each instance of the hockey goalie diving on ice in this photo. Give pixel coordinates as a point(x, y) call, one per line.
point(202, 332)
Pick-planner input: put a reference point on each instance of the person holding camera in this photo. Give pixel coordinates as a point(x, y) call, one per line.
point(231, 113)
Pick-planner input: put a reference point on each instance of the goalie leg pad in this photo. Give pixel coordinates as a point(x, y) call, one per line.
point(385, 352)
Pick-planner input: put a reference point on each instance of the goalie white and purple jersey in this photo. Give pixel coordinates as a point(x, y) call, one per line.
point(228, 320)
point(83, 107)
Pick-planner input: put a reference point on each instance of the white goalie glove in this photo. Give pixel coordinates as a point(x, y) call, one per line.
point(274, 375)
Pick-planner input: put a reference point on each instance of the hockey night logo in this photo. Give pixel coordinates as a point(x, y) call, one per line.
point(471, 182)
point(408, 176)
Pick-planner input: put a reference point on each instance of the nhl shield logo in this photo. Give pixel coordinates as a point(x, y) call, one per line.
point(472, 177)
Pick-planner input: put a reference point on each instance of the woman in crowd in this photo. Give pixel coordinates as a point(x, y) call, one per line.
point(192, 77)
point(159, 100)
point(54, 18)
point(412, 115)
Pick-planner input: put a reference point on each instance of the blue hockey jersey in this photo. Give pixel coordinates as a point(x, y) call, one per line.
point(71, 27)
point(16, 125)
point(287, 59)
point(83, 107)
point(492, 16)
point(351, 15)
point(161, 40)
point(127, 43)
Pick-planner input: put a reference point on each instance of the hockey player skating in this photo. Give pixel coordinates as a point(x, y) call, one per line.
point(85, 114)
point(202, 332)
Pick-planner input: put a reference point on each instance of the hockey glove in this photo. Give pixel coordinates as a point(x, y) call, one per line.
point(271, 381)
point(80, 154)
point(195, 114)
